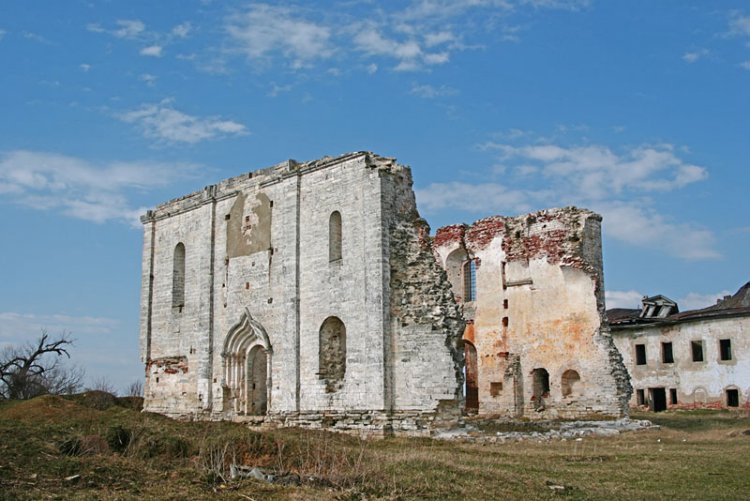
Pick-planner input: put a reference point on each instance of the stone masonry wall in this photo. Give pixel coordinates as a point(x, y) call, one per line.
point(260, 284)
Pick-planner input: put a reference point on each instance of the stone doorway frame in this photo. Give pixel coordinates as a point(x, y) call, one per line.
point(244, 336)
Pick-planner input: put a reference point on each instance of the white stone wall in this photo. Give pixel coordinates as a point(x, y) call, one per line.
point(697, 383)
point(258, 274)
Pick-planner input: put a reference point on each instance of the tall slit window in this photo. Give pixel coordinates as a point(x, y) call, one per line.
point(470, 280)
point(334, 237)
point(178, 277)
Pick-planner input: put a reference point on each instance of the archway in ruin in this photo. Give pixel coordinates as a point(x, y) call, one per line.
point(472, 377)
point(247, 367)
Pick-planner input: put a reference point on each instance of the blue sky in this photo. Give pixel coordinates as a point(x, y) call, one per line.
point(638, 110)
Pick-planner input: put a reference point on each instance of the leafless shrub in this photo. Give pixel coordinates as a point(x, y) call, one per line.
point(135, 389)
point(102, 384)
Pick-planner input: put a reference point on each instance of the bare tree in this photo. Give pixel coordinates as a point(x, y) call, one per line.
point(135, 389)
point(35, 369)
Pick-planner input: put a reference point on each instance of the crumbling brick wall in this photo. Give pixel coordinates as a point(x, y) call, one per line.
point(539, 314)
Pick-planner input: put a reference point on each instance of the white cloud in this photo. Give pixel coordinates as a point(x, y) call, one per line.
point(610, 182)
point(264, 30)
point(17, 328)
point(427, 91)
point(371, 68)
point(597, 172)
point(81, 189)
point(636, 224)
point(409, 53)
point(698, 301)
point(572, 5)
point(739, 25)
point(152, 51)
point(84, 67)
point(745, 65)
point(165, 124)
point(182, 30)
point(126, 28)
point(148, 78)
point(623, 299)
point(692, 57)
point(477, 198)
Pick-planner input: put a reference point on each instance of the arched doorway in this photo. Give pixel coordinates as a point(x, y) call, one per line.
point(540, 387)
point(247, 368)
point(257, 389)
point(472, 377)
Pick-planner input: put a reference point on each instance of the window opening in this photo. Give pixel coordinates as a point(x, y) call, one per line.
point(725, 349)
point(470, 280)
point(667, 356)
point(334, 237)
point(640, 397)
point(673, 396)
point(733, 398)
point(178, 277)
point(640, 354)
point(696, 347)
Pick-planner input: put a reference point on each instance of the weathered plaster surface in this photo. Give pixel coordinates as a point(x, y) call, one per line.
point(539, 305)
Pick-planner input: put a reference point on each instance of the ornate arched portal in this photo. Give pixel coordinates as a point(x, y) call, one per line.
point(247, 366)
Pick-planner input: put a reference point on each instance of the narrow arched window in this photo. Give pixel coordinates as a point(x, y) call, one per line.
point(332, 353)
point(178, 277)
point(470, 280)
point(334, 236)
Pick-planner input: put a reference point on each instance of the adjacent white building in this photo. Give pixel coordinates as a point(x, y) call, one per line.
point(698, 358)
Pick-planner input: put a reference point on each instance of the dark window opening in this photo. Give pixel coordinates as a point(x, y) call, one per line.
point(666, 353)
point(640, 354)
point(502, 275)
point(505, 321)
point(505, 304)
point(696, 347)
point(673, 396)
point(725, 349)
point(496, 389)
point(733, 398)
point(640, 396)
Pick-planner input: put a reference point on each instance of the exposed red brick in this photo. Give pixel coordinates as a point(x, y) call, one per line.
point(449, 234)
point(481, 233)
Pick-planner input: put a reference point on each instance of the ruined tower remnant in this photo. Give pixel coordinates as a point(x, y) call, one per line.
point(305, 293)
point(537, 344)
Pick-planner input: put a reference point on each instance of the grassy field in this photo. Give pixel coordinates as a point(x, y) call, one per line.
point(95, 447)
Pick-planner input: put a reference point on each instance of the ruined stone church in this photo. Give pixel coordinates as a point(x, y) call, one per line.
point(312, 294)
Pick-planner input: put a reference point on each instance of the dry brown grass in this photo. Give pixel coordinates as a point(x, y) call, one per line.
point(696, 455)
